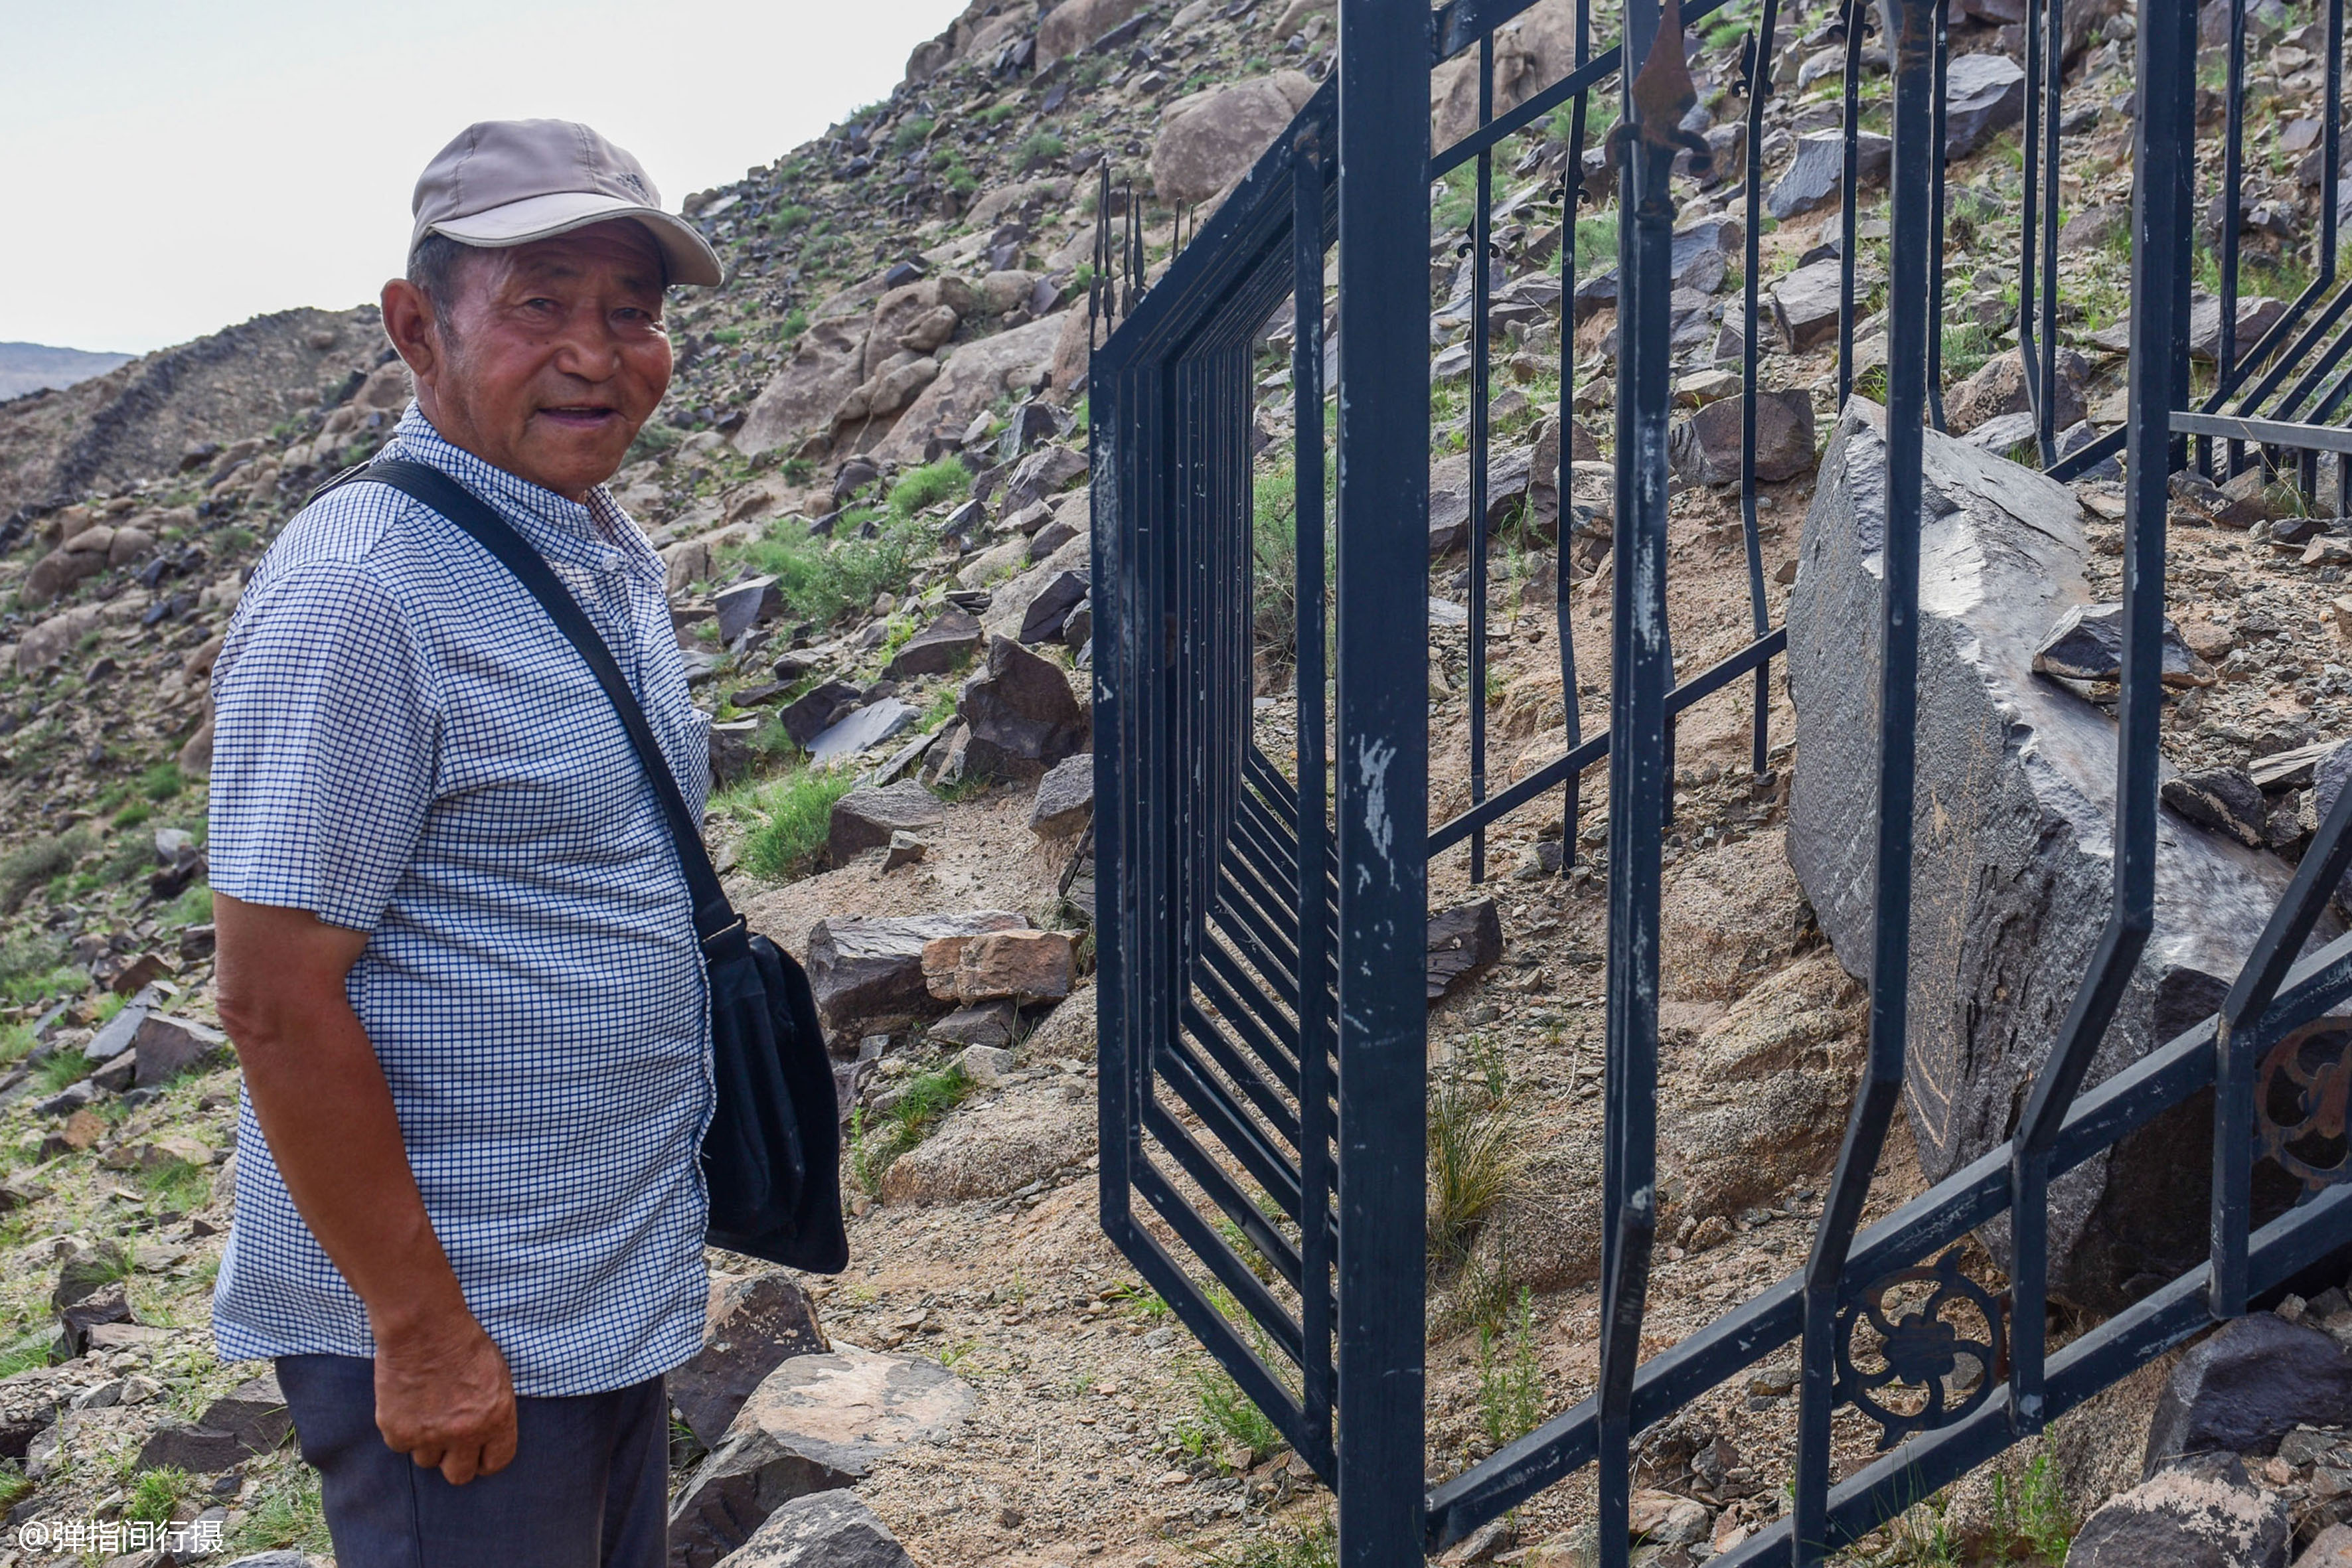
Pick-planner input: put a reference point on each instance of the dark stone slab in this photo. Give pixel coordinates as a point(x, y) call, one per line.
point(2012, 827)
point(1021, 715)
point(2247, 1386)
point(1983, 93)
point(831, 1529)
point(1051, 608)
point(1066, 798)
point(1462, 942)
point(753, 1327)
point(939, 646)
point(2197, 1513)
point(745, 605)
point(2088, 644)
point(867, 969)
point(2224, 800)
point(860, 730)
point(808, 716)
point(867, 816)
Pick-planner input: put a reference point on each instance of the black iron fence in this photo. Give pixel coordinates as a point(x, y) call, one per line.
point(1264, 779)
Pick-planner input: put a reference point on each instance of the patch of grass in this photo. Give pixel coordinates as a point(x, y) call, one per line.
point(1274, 546)
point(58, 1073)
point(177, 1185)
point(1310, 1546)
point(28, 866)
point(792, 817)
point(820, 582)
point(946, 480)
point(1966, 350)
point(925, 1102)
point(157, 1494)
point(1224, 1415)
point(794, 326)
point(24, 1352)
point(783, 220)
point(1474, 1139)
point(163, 781)
point(910, 134)
point(1042, 147)
point(193, 907)
point(2034, 1514)
point(288, 1515)
point(1510, 1374)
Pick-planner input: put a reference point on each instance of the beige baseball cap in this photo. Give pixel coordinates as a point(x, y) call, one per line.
point(509, 181)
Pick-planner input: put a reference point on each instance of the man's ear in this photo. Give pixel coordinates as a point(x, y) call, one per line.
point(408, 322)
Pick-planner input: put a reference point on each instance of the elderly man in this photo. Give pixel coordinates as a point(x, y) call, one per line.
point(455, 954)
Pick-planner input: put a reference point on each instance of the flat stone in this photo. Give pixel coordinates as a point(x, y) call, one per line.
point(1705, 448)
point(1462, 942)
point(825, 1529)
point(1061, 593)
point(199, 1450)
point(750, 1328)
point(745, 605)
point(1983, 93)
point(2256, 315)
point(816, 1423)
point(2088, 644)
point(2246, 1386)
point(1041, 474)
point(253, 1413)
point(939, 647)
point(1998, 387)
point(868, 969)
point(2014, 820)
point(28, 1402)
point(904, 849)
point(2224, 800)
point(1805, 305)
point(811, 714)
point(1066, 797)
point(117, 1033)
point(995, 1148)
point(1026, 966)
point(867, 816)
point(2204, 1512)
point(980, 1023)
point(1814, 175)
point(868, 727)
point(168, 1047)
point(985, 1066)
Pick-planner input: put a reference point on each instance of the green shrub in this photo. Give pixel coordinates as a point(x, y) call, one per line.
point(946, 480)
point(1224, 1414)
point(792, 817)
point(783, 220)
point(157, 1494)
point(910, 134)
point(1510, 1374)
point(62, 1070)
point(286, 1516)
point(921, 1106)
point(28, 866)
point(1043, 147)
point(1474, 1143)
point(821, 581)
point(163, 781)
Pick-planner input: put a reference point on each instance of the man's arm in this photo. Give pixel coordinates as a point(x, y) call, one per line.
point(442, 1394)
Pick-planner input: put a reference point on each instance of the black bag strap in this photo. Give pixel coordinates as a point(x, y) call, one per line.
point(713, 915)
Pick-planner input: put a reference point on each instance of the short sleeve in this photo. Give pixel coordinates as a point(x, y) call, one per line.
point(323, 747)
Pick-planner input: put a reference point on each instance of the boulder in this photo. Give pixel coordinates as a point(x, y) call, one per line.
point(2246, 1386)
point(971, 377)
point(827, 365)
point(2199, 1513)
point(825, 1529)
point(1462, 942)
point(995, 1150)
point(1026, 966)
point(2220, 800)
point(814, 1423)
point(751, 603)
point(168, 1046)
point(1998, 387)
point(1073, 24)
point(2088, 644)
point(1066, 798)
point(1531, 51)
point(867, 969)
point(2013, 838)
point(812, 713)
point(1705, 448)
point(1210, 140)
point(865, 817)
point(1041, 473)
point(54, 638)
point(1983, 93)
point(909, 319)
point(1805, 305)
point(2256, 315)
point(859, 730)
point(938, 647)
point(982, 1023)
point(1814, 176)
point(750, 1328)
point(1050, 608)
point(1021, 715)
point(249, 1421)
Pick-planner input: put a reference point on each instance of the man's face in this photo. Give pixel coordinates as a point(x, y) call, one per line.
point(554, 355)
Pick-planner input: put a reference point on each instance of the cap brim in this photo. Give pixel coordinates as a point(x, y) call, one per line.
point(689, 255)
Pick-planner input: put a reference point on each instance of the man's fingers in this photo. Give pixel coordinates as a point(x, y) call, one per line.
point(427, 1458)
point(499, 1451)
point(461, 1465)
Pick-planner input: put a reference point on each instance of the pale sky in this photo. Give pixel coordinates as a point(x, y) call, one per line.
point(179, 165)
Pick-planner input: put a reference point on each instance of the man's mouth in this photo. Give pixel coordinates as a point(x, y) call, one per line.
point(580, 417)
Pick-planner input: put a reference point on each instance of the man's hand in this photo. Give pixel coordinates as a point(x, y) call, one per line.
point(443, 1396)
point(443, 1393)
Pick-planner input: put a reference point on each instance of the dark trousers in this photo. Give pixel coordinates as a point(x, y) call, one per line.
point(588, 1485)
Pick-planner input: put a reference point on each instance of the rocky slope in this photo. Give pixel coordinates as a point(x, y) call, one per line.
point(31, 367)
point(869, 484)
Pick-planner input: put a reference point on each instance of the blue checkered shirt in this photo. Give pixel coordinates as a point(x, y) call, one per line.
point(404, 745)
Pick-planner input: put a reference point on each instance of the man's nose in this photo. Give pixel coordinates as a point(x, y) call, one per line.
point(589, 347)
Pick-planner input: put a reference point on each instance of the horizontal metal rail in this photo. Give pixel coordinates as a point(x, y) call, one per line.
point(2267, 432)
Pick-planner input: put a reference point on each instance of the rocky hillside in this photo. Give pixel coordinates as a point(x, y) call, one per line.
point(870, 484)
point(33, 367)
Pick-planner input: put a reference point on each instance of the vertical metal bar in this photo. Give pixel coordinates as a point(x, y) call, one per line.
point(2234, 171)
point(1759, 87)
point(2030, 259)
point(1572, 190)
point(1911, 50)
point(1383, 782)
point(1482, 279)
point(1314, 861)
point(2053, 62)
point(1849, 197)
point(2331, 153)
point(1937, 132)
point(1640, 776)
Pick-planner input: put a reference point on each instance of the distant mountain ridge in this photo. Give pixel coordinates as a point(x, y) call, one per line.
point(28, 367)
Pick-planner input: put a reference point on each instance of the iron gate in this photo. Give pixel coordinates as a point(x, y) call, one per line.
point(1262, 1026)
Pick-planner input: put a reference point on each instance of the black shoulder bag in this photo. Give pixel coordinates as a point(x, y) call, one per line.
point(771, 1158)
